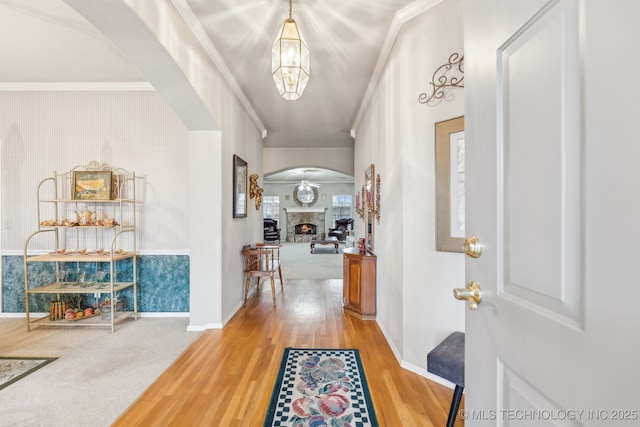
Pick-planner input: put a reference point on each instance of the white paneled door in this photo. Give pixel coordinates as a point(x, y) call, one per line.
point(552, 182)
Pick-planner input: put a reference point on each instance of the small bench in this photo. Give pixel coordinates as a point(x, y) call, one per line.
point(446, 360)
point(328, 241)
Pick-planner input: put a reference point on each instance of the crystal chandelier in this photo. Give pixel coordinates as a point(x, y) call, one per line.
point(290, 61)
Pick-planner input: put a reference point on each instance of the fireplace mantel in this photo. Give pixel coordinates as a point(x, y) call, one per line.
point(310, 210)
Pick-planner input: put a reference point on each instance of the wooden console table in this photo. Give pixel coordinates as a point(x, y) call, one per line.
point(359, 284)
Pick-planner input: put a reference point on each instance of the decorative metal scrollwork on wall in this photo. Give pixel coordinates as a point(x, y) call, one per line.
point(441, 79)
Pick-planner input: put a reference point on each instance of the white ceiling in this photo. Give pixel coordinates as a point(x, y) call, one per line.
point(44, 42)
point(47, 42)
point(308, 174)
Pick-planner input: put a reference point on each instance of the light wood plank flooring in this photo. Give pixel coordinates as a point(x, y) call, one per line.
point(226, 377)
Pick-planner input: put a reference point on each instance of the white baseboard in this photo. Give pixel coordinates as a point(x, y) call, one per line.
point(144, 314)
point(428, 375)
point(21, 315)
point(414, 368)
point(164, 314)
point(200, 328)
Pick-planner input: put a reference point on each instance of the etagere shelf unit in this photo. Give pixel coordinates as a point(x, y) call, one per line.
point(85, 245)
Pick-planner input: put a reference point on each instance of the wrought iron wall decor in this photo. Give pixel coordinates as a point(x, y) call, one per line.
point(441, 80)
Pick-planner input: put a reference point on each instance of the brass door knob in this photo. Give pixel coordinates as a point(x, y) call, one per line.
point(472, 247)
point(472, 294)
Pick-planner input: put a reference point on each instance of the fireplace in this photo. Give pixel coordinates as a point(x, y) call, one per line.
point(305, 224)
point(305, 229)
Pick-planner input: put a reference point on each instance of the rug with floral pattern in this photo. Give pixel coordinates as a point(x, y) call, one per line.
point(321, 387)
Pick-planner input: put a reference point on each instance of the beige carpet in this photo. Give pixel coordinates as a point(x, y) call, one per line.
point(299, 263)
point(97, 375)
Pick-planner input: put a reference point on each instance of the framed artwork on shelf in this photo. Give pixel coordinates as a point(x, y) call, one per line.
point(91, 185)
point(450, 169)
point(239, 187)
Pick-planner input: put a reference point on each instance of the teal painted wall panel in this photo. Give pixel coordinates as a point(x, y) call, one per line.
point(163, 282)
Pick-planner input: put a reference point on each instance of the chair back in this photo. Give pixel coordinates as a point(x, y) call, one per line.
point(270, 224)
point(271, 230)
point(344, 223)
point(261, 258)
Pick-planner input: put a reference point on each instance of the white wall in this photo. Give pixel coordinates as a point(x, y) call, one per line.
point(139, 131)
point(335, 158)
point(46, 131)
point(416, 309)
point(239, 135)
point(205, 228)
point(186, 185)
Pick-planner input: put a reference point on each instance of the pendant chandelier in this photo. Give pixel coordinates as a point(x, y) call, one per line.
point(290, 61)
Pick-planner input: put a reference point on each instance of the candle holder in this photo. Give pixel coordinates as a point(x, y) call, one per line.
point(360, 203)
point(375, 208)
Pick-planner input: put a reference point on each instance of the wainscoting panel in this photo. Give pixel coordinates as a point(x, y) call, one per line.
point(163, 284)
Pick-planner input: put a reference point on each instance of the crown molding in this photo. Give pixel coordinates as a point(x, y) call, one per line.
point(405, 14)
point(75, 87)
point(200, 34)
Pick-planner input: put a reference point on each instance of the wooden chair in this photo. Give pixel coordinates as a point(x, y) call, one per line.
point(261, 260)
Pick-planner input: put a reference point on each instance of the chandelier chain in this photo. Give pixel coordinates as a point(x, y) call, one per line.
point(290, 9)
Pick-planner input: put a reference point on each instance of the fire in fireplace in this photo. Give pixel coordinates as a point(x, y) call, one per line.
point(305, 229)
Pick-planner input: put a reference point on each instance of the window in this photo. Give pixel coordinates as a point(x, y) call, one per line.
point(271, 207)
point(341, 204)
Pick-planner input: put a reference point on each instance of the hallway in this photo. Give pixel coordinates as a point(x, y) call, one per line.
point(226, 377)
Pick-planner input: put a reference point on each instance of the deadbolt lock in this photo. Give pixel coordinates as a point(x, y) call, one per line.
point(472, 247)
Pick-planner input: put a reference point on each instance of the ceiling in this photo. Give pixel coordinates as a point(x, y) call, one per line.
point(47, 42)
point(308, 174)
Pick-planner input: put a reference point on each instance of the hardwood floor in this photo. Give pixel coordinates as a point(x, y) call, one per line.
point(226, 377)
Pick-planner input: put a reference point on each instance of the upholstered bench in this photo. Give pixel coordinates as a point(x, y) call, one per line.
point(446, 360)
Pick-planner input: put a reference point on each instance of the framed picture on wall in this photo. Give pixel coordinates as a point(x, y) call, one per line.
point(450, 169)
point(239, 187)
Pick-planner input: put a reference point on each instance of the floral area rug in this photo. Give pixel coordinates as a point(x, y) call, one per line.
point(14, 368)
point(321, 387)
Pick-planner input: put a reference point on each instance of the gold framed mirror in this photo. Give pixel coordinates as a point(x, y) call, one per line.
point(305, 195)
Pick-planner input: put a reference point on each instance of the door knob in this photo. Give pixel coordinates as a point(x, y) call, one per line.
point(472, 247)
point(472, 294)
